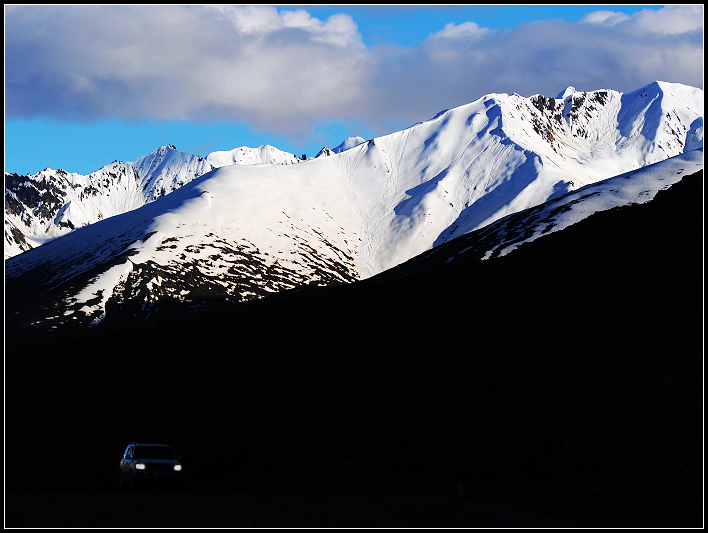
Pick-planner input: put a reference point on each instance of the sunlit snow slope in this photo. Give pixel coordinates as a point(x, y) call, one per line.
point(43, 206)
point(509, 233)
point(474, 164)
point(239, 232)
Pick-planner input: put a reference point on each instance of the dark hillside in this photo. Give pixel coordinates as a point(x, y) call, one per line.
point(564, 379)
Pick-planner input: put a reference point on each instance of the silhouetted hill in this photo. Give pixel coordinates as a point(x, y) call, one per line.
point(564, 379)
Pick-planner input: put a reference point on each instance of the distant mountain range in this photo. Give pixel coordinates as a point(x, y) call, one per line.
point(51, 203)
point(186, 232)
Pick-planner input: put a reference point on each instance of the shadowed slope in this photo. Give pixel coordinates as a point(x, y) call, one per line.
point(564, 378)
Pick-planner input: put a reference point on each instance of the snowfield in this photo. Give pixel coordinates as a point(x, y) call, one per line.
point(51, 203)
point(636, 187)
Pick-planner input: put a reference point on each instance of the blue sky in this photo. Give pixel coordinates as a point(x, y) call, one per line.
point(410, 25)
point(123, 80)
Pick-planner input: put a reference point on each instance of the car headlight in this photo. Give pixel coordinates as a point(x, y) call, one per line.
point(139, 466)
point(178, 467)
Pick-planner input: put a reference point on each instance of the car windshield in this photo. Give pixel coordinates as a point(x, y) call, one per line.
point(153, 452)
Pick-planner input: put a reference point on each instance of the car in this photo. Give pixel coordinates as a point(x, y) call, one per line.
point(149, 464)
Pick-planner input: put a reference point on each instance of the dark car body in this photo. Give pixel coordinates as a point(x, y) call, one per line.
point(149, 463)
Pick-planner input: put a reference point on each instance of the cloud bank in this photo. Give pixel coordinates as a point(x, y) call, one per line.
point(283, 70)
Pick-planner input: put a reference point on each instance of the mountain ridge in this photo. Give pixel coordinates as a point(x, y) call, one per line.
point(558, 124)
point(247, 231)
point(72, 200)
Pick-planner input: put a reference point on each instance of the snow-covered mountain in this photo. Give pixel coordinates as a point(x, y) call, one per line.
point(348, 143)
point(252, 156)
point(507, 234)
point(474, 164)
point(43, 206)
point(244, 231)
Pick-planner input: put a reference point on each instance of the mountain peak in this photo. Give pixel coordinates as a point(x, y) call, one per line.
point(568, 92)
point(243, 155)
point(325, 152)
point(348, 143)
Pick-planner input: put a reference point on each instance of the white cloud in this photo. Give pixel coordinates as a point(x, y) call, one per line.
point(605, 18)
point(286, 69)
point(605, 50)
point(168, 62)
point(466, 30)
point(669, 20)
